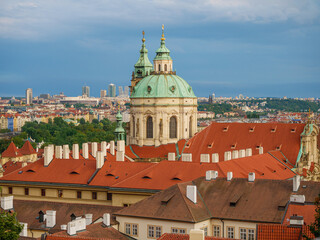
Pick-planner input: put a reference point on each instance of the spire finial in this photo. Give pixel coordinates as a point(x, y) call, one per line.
point(163, 38)
point(143, 39)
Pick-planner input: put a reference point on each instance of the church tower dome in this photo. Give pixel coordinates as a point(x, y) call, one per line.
point(163, 105)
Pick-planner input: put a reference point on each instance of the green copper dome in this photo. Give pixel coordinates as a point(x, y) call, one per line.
point(162, 86)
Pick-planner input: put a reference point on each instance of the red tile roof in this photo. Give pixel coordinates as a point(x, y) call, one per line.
point(223, 137)
point(276, 232)
point(11, 151)
point(307, 211)
point(27, 149)
point(11, 166)
point(167, 173)
point(154, 152)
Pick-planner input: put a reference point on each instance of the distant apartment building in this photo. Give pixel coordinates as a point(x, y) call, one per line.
point(29, 95)
point(103, 93)
point(86, 91)
point(112, 90)
point(45, 96)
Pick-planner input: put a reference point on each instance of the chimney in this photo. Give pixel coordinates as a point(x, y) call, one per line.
point(99, 160)
point(192, 193)
point(63, 227)
point(120, 156)
point(51, 218)
point(242, 153)
point(227, 156)
point(104, 148)
point(296, 220)
point(71, 228)
point(260, 150)
point(209, 175)
point(298, 199)
point(47, 156)
point(106, 219)
point(112, 147)
point(121, 146)
point(24, 232)
point(215, 157)
point(58, 152)
point(75, 151)
point(196, 234)
point(171, 156)
point(186, 157)
point(251, 177)
point(66, 151)
point(248, 152)
point(37, 149)
point(7, 202)
point(85, 150)
point(205, 158)
point(88, 218)
point(296, 183)
point(229, 176)
point(235, 154)
point(94, 149)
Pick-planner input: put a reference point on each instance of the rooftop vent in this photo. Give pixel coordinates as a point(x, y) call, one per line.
point(251, 177)
point(297, 198)
point(293, 130)
point(252, 129)
point(229, 176)
point(274, 129)
point(225, 129)
point(296, 220)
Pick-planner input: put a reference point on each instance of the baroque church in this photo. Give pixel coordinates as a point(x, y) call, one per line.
point(163, 105)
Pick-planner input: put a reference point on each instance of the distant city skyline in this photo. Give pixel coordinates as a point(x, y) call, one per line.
point(254, 48)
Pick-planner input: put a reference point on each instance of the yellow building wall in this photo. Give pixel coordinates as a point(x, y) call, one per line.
point(119, 199)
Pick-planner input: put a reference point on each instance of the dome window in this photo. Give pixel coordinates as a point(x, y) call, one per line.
point(172, 88)
point(149, 89)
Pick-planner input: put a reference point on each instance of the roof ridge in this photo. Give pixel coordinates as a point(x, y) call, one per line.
point(183, 197)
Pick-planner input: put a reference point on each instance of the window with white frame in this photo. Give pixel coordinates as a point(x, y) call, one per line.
point(154, 231)
point(230, 232)
point(131, 229)
point(205, 230)
point(178, 230)
point(243, 233)
point(251, 234)
point(216, 231)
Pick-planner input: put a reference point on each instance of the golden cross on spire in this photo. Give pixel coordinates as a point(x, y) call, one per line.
point(163, 38)
point(143, 39)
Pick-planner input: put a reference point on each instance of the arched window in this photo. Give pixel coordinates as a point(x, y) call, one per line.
point(173, 127)
point(133, 127)
point(159, 67)
point(165, 67)
point(190, 127)
point(149, 127)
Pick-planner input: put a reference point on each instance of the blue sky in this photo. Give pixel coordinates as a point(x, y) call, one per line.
point(227, 47)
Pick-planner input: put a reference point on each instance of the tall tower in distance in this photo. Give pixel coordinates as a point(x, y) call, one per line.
point(29, 96)
point(112, 90)
point(86, 91)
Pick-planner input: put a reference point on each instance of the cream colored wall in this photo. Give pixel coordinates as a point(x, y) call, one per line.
point(228, 223)
point(119, 199)
point(35, 233)
point(162, 108)
point(143, 225)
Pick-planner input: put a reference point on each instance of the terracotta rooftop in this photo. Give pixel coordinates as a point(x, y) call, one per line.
point(27, 149)
point(223, 137)
point(12, 151)
point(259, 201)
point(11, 166)
point(307, 211)
point(276, 232)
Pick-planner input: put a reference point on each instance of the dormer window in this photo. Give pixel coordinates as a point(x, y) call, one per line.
point(293, 130)
point(225, 129)
point(251, 129)
point(273, 129)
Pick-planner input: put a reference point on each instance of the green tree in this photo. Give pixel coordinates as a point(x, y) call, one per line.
point(315, 226)
point(10, 228)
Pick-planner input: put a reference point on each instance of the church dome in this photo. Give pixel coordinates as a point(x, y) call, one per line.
point(162, 86)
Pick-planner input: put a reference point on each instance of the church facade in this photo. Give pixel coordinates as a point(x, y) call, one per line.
point(163, 105)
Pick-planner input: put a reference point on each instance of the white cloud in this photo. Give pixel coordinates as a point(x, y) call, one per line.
point(34, 19)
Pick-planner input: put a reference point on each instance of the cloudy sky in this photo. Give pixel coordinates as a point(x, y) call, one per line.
point(226, 47)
